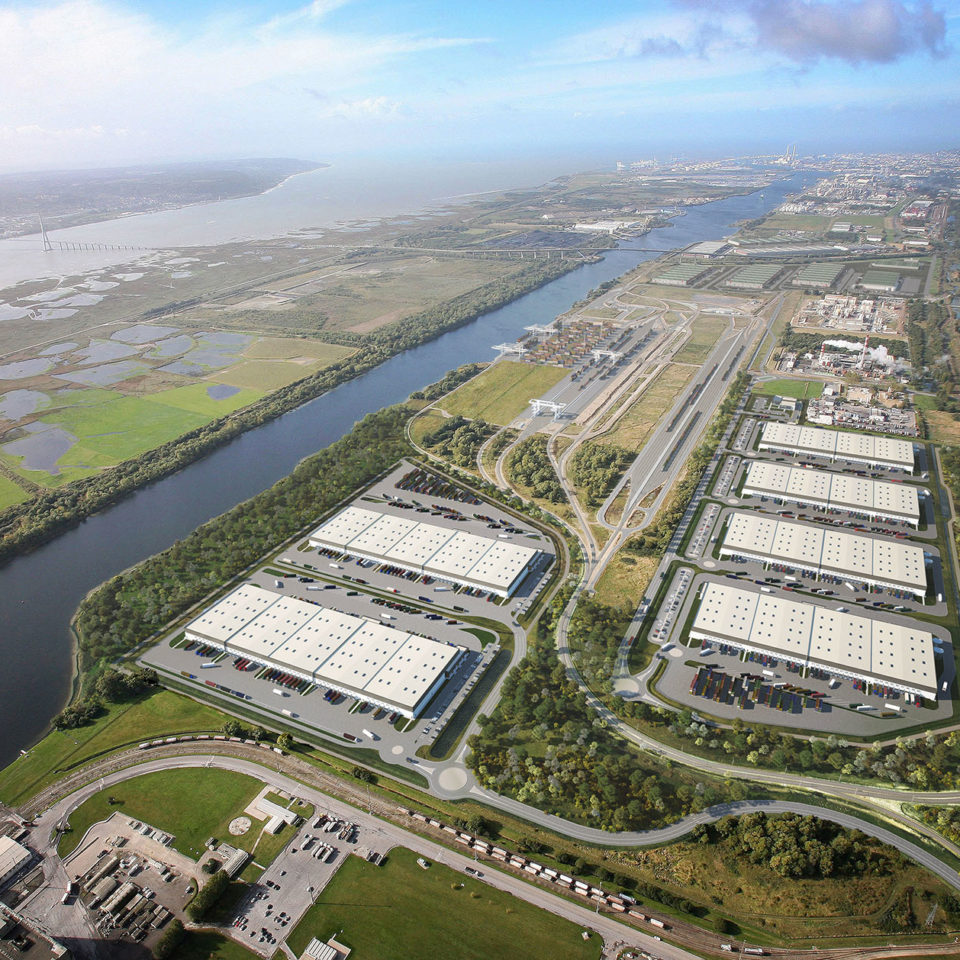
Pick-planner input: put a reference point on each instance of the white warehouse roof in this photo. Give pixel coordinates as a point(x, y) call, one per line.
point(821, 488)
point(809, 633)
point(838, 445)
point(428, 548)
point(840, 553)
point(360, 657)
point(13, 858)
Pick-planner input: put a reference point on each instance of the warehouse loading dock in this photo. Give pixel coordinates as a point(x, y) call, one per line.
point(848, 556)
point(810, 635)
point(833, 491)
point(353, 655)
point(846, 445)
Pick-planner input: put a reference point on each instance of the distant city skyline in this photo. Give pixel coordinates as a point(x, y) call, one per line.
point(95, 83)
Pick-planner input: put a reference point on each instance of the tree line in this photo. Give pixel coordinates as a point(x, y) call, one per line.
point(530, 466)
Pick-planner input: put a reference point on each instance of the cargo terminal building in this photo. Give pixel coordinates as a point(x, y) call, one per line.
point(836, 553)
point(842, 644)
point(358, 657)
point(879, 499)
point(420, 547)
point(844, 445)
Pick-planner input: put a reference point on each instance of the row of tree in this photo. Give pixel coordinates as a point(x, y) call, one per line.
point(133, 605)
point(112, 686)
point(458, 440)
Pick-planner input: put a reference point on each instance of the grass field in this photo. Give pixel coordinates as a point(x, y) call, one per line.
point(633, 428)
point(625, 579)
point(190, 804)
point(159, 714)
point(943, 427)
point(374, 294)
point(427, 422)
point(503, 391)
point(10, 493)
point(798, 389)
point(207, 945)
point(266, 375)
point(399, 910)
point(706, 332)
point(296, 348)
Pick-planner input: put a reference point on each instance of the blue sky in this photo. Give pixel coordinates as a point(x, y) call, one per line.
point(104, 81)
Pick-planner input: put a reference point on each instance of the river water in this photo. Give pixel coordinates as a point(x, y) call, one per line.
point(40, 592)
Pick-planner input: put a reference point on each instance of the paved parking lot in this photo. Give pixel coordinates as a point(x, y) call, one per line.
point(672, 605)
point(701, 536)
point(727, 475)
point(363, 588)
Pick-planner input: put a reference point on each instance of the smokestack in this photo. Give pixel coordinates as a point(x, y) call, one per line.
point(863, 356)
point(823, 350)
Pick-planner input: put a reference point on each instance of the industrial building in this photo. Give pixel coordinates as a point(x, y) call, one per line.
point(484, 563)
point(880, 281)
point(845, 445)
point(833, 491)
point(681, 274)
point(758, 276)
point(359, 657)
point(13, 858)
point(811, 635)
point(836, 553)
point(819, 275)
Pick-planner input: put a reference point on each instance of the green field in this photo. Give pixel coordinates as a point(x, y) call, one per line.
point(190, 804)
point(296, 349)
point(207, 945)
point(10, 493)
point(160, 714)
point(119, 427)
point(399, 910)
point(503, 391)
point(706, 332)
point(798, 389)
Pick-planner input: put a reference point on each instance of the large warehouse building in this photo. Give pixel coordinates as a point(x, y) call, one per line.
point(838, 445)
point(13, 858)
point(820, 488)
point(837, 553)
point(359, 657)
point(458, 557)
point(843, 644)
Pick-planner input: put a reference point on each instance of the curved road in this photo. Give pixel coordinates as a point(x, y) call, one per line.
point(289, 777)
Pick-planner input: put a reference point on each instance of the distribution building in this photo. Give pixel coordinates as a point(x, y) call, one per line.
point(845, 445)
point(418, 546)
point(811, 635)
point(833, 491)
point(359, 657)
point(13, 858)
point(837, 553)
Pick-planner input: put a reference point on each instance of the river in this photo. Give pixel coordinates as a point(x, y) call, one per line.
point(40, 592)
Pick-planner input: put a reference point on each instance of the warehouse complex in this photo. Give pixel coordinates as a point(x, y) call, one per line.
point(428, 548)
point(356, 656)
point(838, 445)
point(811, 635)
point(824, 490)
point(837, 553)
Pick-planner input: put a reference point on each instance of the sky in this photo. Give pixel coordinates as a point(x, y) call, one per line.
point(102, 82)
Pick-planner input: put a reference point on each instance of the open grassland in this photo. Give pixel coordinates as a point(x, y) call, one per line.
point(634, 427)
point(943, 427)
point(503, 391)
point(400, 910)
point(706, 331)
point(427, 422)
point(159, 714)
point(264, 376)
point(296, 349)
point(207, 945)
point(759, 898)
point(10, 493)
point(378, 292)
point(625, 579)
point(798, 389)
point(190, 804)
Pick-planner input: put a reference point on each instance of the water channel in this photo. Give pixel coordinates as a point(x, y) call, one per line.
point(40, 592)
